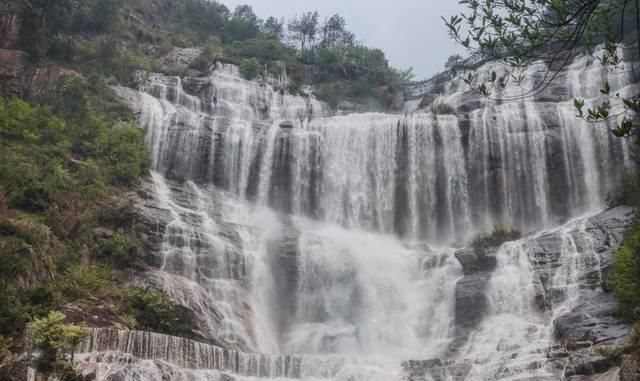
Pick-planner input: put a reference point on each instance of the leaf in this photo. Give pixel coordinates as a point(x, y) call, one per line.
point(579, 104)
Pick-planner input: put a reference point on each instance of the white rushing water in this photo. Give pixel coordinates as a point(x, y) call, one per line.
point(315, 246)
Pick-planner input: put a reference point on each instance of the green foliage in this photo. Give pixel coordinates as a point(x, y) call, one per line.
point(38, 301)
point(14, 259)
point(122, 149)
point(627, 191)
point(121, 250)
point(499, 235)
point(152, 310)
point(303, 31)
point(4, 349)
point(518, 33)
point(199, 18)
point(328, 57)
point(334, 93)
point(614, 354)
point(249, 68)
point(55, 339)
point(265, 50)
point(624, 276)
point(56, 170)
point(113, 38)
point(240, 29)
point(11, 318)
point(442, 108)
point(211, 49)
point(77, 283)
point(46, 156)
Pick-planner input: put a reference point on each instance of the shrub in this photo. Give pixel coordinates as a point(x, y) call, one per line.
point(328, 57)
point(11, 316)
point(332, 93)
point(55, 339)
point(153, 310)
point(249, 68)
point(359, 90)
point(627, 192)
point(121, 250)
point(624, 276)
point(77, 283)
point(38, 301)
point(497, 237)
point(122, 148)
point(263, 49)
point(14, 259)
point(211, 49)
point(441, 108)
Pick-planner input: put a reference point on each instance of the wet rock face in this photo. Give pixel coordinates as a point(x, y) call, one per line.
point(570, 263)
point(471, 300)
point(594, 320)
point(594, 317)
point(180, 58)
point(436, 370)
point(9, 30)
point(100, 316)
point(473, 263)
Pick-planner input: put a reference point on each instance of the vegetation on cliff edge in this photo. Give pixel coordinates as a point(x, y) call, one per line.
point(114, 37)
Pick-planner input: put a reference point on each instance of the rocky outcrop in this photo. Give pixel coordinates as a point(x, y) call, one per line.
point(180, 59)
point(473, 263)
point(46, 79)
point(12, 60)
point(9, 29)
point(436, 370)
point(471, 298)
point(594, 319)
point(12, 65)
point(95, 316)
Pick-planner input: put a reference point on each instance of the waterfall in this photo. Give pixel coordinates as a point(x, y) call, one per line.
point(429, 177)
point(318, 246)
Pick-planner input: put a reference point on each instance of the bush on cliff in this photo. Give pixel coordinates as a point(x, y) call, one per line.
point(56, 341)
point(249, 68)
point(627, 192)
point(624, 276)
point(153, 310)
point(499, 235)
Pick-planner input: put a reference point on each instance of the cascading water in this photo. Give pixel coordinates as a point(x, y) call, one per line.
point(321, 241)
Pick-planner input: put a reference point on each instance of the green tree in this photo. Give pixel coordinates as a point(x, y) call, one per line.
point(243, 25)
point(249, 68)
point(122, 149)
point(518, 33)
point(153, 310)
point(624, 276)
point(303, 31)
point(55, 339)
point(453, 61)
point(273, 28)
point(335, 34)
